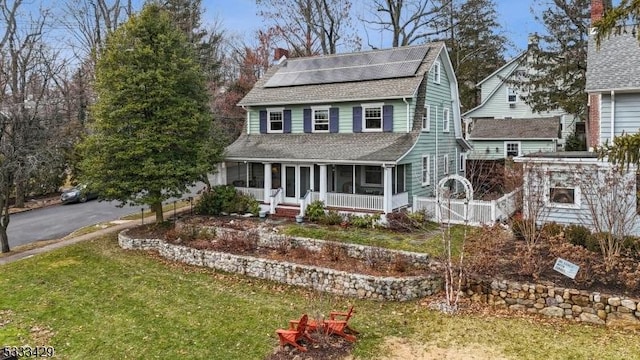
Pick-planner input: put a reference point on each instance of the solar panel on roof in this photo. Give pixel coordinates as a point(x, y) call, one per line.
point(398, 62)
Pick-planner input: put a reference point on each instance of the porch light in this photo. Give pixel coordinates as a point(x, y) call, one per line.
point(497, 149)
point(488, 150)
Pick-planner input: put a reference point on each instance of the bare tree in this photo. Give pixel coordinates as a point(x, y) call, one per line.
point(311, 27)
point(534, 204)
point(26, 109)
point(610, 197)
point(90, 21)
point(410, 21)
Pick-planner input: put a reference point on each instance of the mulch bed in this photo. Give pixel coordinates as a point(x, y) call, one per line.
point(326, 348)
point(332, 257)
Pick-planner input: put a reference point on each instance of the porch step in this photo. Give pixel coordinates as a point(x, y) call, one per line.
point(287, 212)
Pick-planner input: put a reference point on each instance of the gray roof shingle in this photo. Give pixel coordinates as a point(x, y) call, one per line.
point(329, 148)
point(615, 65)
point(350, 90)
point(535, 128)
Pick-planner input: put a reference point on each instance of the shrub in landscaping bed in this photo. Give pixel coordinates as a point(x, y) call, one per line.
point(226, 199)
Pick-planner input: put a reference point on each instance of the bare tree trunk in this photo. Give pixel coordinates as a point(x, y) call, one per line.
point(20, 194)
point(4, 219)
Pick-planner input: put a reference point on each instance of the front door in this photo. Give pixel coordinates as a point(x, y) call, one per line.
point(296, 180)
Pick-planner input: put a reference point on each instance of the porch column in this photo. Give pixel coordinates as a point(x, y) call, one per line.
point(323, 184)
point(267, 182)
point(387, 203)
point(221, 176)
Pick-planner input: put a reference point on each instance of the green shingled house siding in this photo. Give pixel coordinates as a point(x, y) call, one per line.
point(438, 96)
point(486, 149)
point(345, 115)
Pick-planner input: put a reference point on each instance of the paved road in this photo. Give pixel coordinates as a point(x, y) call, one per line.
point(58, 221)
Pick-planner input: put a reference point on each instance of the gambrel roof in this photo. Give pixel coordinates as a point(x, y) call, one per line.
point(516, 129)
point(363, 76)
point(616, 64)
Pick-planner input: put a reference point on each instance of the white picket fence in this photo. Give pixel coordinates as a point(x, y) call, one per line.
point(480, 212)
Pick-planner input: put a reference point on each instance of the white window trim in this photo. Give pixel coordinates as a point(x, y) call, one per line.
point(577, 193)
point(463, 162)
point(426, 118)
point(515, 92)
point(426, 171)
point(445, 160)
point(313, 118)
point(446, 120)
point(269, 111)
point(364, 122)
point(363, 177)
point(437, 69)
point(512, 142)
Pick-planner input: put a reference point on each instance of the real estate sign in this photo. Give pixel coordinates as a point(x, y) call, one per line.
point(566, 268)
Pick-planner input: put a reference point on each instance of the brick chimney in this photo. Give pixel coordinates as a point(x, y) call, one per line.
point(598, 8)
point(280, 53)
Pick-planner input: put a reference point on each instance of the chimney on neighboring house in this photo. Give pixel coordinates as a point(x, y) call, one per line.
point(597, 10)
point(281, 53)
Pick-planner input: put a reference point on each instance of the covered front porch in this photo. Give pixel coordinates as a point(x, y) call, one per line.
point(350, 187)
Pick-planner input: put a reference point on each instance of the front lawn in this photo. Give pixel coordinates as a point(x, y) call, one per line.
point(95, 301)
point(426, 241)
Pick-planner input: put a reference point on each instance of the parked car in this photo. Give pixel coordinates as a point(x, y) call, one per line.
point(78, 193)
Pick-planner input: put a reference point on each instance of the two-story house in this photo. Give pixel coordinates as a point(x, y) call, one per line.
point(500, 99)
point(359, 131)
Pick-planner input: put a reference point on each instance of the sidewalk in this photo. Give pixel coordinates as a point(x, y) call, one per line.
point(67, 242)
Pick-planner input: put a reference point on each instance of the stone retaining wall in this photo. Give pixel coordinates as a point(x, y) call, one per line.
point(317, 278)
point(572, 304)
point(273, 240)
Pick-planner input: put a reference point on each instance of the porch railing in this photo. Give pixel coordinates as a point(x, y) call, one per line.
point(399, 200)
point(257, 193)
point(275, 200)
point(361, 201)
point(355, 201)
point(305, 201)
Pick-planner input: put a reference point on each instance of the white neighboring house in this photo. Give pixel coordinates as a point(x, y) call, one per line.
point(499, 99)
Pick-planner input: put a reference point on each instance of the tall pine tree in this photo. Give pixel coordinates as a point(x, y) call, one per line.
point(475, 45)
point(559, 63)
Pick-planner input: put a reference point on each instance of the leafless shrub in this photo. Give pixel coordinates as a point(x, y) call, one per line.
point(333, 252)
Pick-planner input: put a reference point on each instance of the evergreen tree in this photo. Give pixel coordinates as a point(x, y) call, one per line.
point(151, 136)
point(475, 45)
point(187, 16)
point(559, 63)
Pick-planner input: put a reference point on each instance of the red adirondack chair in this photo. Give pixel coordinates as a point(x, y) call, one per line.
point(338, 324)
point(292, 336)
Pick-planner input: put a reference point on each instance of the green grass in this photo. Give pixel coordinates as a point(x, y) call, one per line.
point(427, 241)
point(94, 300)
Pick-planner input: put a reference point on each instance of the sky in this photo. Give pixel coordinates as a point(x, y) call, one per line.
point(239, 17)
